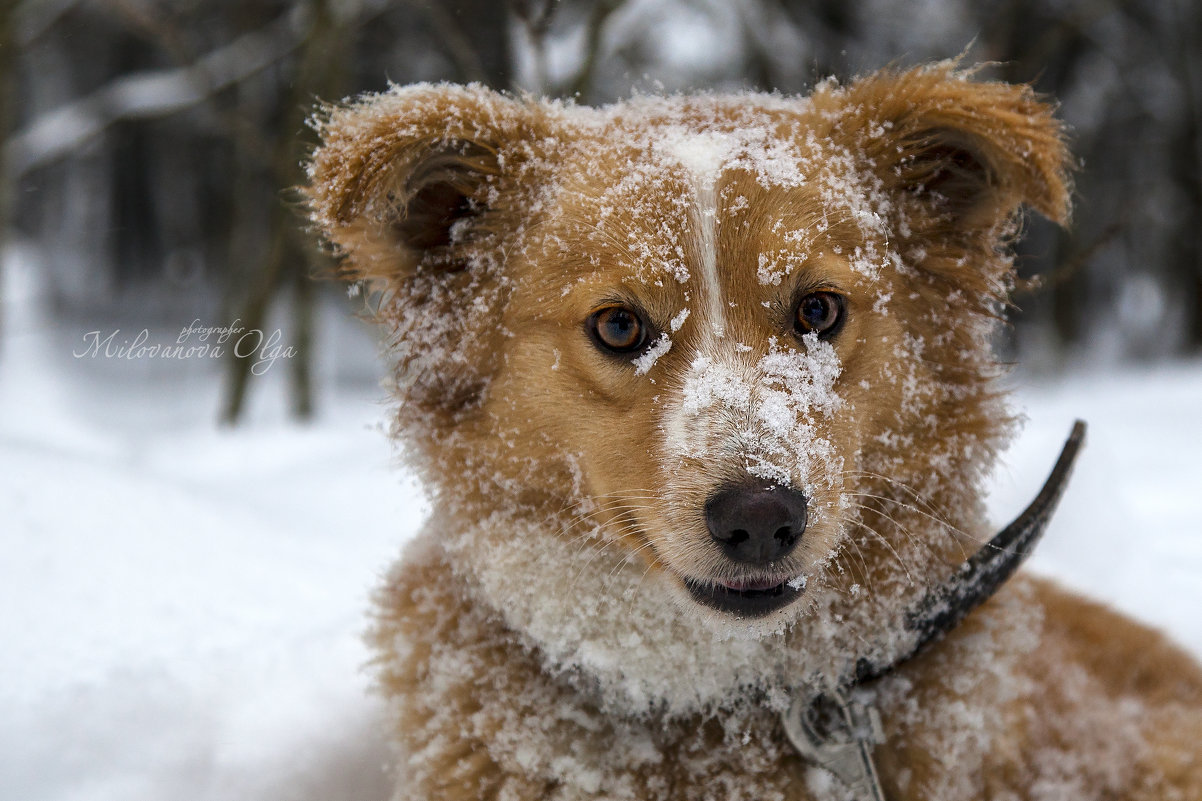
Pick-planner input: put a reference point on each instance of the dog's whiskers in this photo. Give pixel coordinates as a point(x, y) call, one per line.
point(957, 533)
point(929, 511)
point(884, 541)
point(910, 536)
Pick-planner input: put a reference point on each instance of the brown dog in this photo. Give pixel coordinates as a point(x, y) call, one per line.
point(703, 391)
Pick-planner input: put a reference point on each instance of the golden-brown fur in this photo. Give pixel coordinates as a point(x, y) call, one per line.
point(537, 640)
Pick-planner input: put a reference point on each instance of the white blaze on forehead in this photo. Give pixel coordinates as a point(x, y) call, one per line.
point(704, 155)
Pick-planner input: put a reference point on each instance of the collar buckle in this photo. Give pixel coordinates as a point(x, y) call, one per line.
point(837, 733)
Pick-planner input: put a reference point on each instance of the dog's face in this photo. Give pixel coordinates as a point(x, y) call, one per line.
point(708, 312)
point(727, 331)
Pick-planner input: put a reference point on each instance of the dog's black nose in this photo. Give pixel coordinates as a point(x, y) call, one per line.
point(756, 525)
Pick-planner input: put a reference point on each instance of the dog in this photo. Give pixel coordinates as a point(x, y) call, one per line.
point(702, 390)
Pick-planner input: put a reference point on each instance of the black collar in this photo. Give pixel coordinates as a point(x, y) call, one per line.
point(945, 606)
point(831, 729)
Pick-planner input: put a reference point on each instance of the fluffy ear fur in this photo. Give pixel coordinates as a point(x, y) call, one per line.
point(959, 156)
point(408, 177)
point(419, 190)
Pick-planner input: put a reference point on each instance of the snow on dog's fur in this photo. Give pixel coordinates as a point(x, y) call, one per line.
point(605, 319)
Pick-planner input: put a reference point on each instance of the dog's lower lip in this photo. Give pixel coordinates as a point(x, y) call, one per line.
point(748, 599)
point(761, 584)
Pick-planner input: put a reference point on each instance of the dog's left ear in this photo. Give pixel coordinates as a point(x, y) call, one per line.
point(969, 153)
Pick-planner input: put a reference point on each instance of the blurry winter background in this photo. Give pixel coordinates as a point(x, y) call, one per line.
point(186, 545)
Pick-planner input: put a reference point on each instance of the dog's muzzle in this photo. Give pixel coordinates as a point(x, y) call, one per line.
point(755, 527)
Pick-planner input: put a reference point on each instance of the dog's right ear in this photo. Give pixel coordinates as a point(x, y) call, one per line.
point(411, 177)
point(419, 190)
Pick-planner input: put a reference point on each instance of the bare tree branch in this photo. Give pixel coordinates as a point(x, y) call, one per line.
point(535, 15)
point(33, 18)
point(167, 34)
point(318, 72)
point(1072, 265)
point(581, 83)
point(150, 94)
point(7, 66)
point(536, 22)
point(458, 47)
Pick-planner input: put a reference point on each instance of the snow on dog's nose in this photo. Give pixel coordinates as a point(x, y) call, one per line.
point(761, 417)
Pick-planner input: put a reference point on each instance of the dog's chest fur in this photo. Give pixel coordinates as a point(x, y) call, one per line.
point(483, 715)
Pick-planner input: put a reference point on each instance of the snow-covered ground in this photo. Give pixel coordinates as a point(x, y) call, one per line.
point(180, 606)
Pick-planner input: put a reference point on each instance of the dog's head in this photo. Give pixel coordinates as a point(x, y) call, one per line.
point(744, 337)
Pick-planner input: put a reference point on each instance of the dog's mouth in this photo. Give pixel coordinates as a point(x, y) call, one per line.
point(748, 598)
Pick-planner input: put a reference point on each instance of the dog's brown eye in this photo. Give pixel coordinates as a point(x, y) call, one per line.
point(618, 329)
point(818, 313)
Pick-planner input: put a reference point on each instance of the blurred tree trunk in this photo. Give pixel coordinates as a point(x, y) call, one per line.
point(474, 36)
point(1044, 51)
point(8, 65)
point(1189, 244)
point(1190, 175)
point(319, 74)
